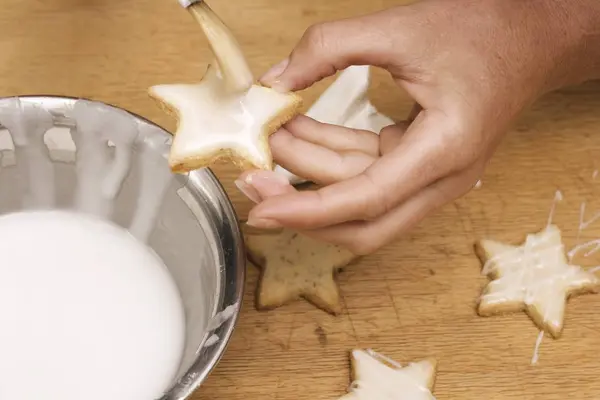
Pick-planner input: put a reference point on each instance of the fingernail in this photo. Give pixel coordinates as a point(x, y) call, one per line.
point(247, 190)
point(262, 223)
point(279, 86)
point(270, 77)
point(266, 176)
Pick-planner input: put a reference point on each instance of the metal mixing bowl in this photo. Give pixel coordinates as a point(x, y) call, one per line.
point(196, 231)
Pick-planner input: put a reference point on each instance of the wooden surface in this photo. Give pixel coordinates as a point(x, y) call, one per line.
point(414, 298)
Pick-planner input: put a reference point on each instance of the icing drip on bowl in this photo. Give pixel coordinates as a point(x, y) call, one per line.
point(82, 186)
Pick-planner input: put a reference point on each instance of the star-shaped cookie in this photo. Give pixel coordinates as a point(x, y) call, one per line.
point(214, 123)
point(377, 377)
point(535, 277)
point(294, 265)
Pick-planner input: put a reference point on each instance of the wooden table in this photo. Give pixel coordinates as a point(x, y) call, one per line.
point(413, 299)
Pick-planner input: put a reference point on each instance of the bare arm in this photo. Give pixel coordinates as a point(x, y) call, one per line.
point(472, 66)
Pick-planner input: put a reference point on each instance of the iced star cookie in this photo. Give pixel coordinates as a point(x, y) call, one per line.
point(212, 125)
point(294, 265)
point(535, 277)
point(377, 377)
point(226, 115)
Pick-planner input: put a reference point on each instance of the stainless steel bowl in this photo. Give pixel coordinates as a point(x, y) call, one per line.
point(196, 231)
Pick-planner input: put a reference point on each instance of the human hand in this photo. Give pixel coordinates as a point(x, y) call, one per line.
point(340, 155)
point(471, 66)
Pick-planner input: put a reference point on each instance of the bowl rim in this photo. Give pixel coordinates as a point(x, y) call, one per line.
point(231, 291)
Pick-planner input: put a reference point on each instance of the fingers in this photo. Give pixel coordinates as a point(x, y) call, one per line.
point(334, 137)
point(316, 163)
point(414, 112)
point(419, 159)
point(365, 237)
point(329, 47)
point(323, 153)
point(258, 185)
point(390, 137)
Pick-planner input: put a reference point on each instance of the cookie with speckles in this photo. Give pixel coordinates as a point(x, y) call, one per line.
point(296, 266)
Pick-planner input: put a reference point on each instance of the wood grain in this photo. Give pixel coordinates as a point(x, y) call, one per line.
point(413, 299)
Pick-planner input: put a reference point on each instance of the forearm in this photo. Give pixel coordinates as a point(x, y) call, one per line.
point(592, 42)
point(576, 26)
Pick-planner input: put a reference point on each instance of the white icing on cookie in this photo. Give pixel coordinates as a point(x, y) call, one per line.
point(378, 378)
point(212, 122)
point(537, 274)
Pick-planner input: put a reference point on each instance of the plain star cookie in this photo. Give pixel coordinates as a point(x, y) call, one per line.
point(296, 266)
point(225, 115)
point(535, 277)
point(377, 377)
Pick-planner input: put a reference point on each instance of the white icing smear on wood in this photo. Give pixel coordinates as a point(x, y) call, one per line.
point(558, 197)
point(582, 223)
point(92, 313)
point(536, 349)
point(594, 244)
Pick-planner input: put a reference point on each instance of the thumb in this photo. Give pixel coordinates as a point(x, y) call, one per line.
point(391, 136)
point(329, 47)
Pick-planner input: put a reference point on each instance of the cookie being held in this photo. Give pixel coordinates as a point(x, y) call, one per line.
point(377, 377)
point(226, 115)
point(296, 266)
point(534, 277)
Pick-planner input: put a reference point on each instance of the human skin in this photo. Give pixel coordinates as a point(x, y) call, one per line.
point(472, 66)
